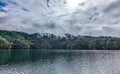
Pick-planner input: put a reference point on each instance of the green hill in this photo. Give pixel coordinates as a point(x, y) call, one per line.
point(21, 40)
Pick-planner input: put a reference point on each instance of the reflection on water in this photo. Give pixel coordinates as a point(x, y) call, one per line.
point(59, 62)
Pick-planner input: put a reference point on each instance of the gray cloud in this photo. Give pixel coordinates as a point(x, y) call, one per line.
point(112, 6)
point(90, 17)
point(113, 9)
point(3, 20)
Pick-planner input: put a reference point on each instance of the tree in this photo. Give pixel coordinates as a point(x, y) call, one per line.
point(41, 44)
point(4, 44)
point(21, 44)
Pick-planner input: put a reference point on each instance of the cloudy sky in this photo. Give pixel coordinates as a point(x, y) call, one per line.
point(78, 17)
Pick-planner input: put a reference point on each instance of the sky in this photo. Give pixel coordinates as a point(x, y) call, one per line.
point(77, 17)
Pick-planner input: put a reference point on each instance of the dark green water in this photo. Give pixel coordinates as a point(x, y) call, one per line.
point(59, 62)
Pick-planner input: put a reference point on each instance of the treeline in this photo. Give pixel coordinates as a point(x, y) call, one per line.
point(21, 40)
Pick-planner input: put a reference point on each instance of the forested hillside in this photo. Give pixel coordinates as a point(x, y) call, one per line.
point(21, 40)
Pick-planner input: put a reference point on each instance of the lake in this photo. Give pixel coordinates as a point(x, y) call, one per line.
point(59, 62)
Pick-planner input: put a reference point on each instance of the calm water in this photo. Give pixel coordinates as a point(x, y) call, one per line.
point(59, 62)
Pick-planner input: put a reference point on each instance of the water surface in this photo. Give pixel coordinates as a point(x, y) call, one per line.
point(59, 62)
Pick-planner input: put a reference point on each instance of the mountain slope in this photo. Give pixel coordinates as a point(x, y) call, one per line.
point(21, 40)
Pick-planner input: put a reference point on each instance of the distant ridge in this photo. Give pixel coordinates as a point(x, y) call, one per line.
point(21, 40)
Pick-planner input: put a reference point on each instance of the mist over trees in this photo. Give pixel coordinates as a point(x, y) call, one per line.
point(21, 40)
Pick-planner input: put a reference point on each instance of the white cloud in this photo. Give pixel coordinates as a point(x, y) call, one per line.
point(2, 14)
point(87, 17)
